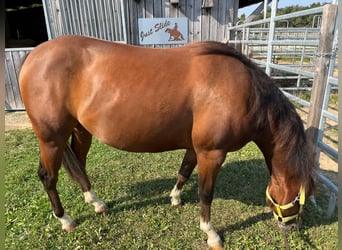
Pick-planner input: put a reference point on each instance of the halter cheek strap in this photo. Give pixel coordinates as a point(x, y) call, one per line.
point(277, 213)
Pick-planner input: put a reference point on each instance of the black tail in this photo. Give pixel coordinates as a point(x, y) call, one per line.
point(72, 165)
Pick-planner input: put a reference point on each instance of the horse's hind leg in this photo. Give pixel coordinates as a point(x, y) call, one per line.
point(51, 154)
point(75, 163)
point(188, 164)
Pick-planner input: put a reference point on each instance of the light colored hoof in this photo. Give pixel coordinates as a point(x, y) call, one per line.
point(215, 244)
point(175, 197)
point(68, 224)
point(217, 247)
point(91, 198)
point(70, 227)
point(176, 202)
point(102, 208)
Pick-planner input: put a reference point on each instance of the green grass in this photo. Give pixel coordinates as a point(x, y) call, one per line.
point(136, 187)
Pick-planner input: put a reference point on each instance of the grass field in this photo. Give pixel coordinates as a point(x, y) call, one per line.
point(136, 187)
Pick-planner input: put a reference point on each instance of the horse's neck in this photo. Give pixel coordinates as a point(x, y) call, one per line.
point(274, 157)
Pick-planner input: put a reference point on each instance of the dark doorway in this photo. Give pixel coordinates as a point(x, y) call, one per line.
point(24, 23)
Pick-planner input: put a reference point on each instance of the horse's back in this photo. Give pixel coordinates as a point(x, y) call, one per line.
point(135, 98)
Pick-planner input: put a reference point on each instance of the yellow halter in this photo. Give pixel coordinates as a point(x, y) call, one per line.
point(278, 215)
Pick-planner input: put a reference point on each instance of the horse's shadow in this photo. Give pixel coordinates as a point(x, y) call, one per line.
point(243, 181)
point(237, 181)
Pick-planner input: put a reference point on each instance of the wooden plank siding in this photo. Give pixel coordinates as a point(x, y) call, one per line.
point(13, 61)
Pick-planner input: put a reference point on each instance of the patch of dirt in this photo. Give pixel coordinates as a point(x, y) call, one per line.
point(17, 120)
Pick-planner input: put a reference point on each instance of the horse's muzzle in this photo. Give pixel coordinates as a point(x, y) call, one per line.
point(291, 225)
point(288, 223)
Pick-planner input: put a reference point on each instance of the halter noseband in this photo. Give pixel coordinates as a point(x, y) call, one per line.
point(278, 215)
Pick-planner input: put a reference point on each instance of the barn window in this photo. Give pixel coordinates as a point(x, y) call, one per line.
point(24, 23)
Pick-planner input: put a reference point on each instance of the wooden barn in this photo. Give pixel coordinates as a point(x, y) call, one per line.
point(139, 22)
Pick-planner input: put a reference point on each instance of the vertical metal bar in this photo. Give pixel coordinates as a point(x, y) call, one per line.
point(236, 38)
point(47, 22)
point(334, 48)
point(123, 16)
point(246, 47)
point(243, 38)
point(265, 8)
point(302, 57)
point(271, 37)
point(331, 204)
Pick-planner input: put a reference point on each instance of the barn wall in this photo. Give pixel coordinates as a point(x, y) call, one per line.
point(117, 20)
point(101, 18)
point(204, 24)
point(13, 61)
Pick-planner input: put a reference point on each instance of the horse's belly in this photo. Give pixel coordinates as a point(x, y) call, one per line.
point(137, 141)
point(141, 131)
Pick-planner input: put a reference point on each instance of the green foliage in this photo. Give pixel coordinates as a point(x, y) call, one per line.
point(136, 187)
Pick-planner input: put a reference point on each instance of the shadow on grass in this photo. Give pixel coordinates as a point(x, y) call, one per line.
point(243, 181)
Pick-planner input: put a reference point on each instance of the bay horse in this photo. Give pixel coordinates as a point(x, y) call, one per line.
point(204, 97)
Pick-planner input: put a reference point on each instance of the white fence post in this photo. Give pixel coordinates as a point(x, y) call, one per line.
point(271, 37)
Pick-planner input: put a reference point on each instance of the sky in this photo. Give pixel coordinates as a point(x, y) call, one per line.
point(282, 3)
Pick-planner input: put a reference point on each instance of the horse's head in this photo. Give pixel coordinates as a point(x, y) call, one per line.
point(167, 30)
point(288, 214)
point(286, 195)
point(291, 159)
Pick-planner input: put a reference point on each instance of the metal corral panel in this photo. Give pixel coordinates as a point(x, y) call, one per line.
point(13, 61)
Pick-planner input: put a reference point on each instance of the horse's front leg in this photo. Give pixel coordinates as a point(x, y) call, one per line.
point(209, 164)
point(188, 164)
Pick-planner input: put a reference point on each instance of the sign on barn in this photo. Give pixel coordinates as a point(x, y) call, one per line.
point(163, 31)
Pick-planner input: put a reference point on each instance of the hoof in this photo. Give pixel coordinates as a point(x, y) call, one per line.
point(176, 202)
point(101, 208)
point(175, 197)
point(215, 244)
point(217, 247)
point(177, 205)
point(68, 224)
point(70, 227)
